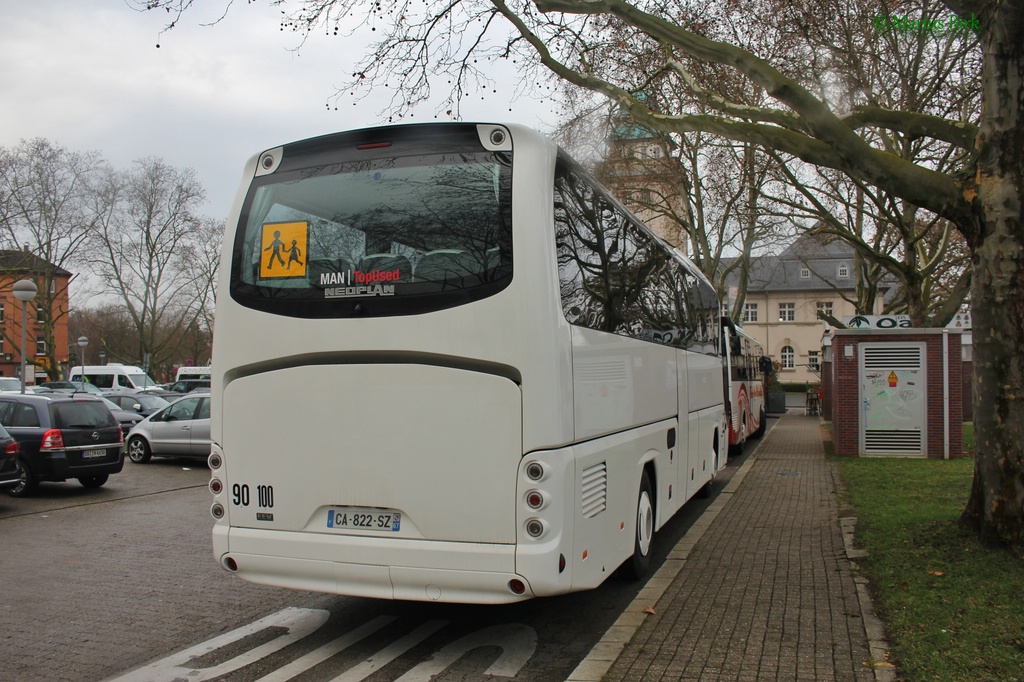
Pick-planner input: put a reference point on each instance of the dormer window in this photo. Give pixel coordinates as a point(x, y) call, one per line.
point(805, 273)
point(844, 271)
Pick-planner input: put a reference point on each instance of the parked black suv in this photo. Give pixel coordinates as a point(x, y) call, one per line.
point(62, 437)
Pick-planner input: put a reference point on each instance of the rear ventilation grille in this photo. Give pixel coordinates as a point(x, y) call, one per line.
point(898, 357)
point(595, 490)
point(892, 442)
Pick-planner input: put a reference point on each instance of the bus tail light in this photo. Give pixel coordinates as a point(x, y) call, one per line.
point(215, 461)
point(535, 471)
point(230, 564)
point(534, 499)
point(534, 528)
point(217, 511)
point(516, 586)
point(216, 487)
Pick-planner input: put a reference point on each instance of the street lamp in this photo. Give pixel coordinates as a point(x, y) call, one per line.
point(83, 341)
point(103, 357)
point(24, 290)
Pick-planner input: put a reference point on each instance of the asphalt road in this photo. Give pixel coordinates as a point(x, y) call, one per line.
point(120, 583)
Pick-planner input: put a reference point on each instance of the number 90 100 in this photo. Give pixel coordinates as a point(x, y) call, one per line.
point(264, 495)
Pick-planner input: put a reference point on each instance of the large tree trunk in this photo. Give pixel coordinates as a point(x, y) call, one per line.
point(996, 505)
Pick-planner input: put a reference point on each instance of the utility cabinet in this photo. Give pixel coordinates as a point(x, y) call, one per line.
point(893, 390)
point(897, 392)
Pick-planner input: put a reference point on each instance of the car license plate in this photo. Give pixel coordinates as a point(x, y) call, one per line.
point(93, 454)
point(359, 518)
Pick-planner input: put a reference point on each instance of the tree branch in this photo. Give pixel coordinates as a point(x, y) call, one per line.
point(914, 124)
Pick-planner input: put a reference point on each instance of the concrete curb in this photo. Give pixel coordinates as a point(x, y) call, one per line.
point(604, 654)
point(878, 645)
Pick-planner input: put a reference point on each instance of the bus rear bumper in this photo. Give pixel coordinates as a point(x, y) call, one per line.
point(445, 571)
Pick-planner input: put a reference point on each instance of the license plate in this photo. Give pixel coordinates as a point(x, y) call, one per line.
point(359, 518)
point(93, 454)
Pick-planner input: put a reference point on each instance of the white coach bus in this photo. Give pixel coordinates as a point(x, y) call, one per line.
point(448, 366)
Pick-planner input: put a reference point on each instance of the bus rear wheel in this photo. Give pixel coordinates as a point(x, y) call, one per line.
point(736, 449)
point(636, 566)
point(762, 426)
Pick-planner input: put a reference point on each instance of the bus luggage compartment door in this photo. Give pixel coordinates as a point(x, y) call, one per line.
point(438, 445)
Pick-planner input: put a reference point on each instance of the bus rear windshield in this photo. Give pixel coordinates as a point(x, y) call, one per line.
point(401, 232)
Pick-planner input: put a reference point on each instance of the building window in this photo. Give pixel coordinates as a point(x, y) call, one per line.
point(750, 312)
point(1, 312)
point(788, 357)
point(825, 308)
point(812, 360)
point(844, 271)
point(805, 273)
point(40, 346)
point(39, 314)
point(787, 312)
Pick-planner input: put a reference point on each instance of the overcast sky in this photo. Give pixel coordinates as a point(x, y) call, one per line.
point(87, 75)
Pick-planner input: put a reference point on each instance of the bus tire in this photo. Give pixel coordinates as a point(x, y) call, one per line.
point(705, 490)
point(761, 427)
point(138, 450)
point(736, 449)
point(636, 566)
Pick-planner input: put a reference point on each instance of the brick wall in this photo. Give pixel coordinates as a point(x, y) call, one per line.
point(846, 391)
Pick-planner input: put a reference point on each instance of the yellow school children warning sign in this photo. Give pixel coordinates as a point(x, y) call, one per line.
point(283, 250)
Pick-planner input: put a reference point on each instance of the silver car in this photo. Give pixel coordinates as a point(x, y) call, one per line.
point(182, 429)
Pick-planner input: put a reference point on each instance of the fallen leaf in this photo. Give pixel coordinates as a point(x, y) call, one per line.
point(648, 609)
point(936, 573)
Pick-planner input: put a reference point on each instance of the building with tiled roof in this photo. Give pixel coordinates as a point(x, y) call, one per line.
point(786, 292)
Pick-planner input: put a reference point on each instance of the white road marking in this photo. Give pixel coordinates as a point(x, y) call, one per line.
point(390, 652)
point(318, 656)
point(517, 642)
point(299, 623)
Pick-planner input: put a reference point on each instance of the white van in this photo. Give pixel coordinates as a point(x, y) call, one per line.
point(114, 377)
point(193, 373)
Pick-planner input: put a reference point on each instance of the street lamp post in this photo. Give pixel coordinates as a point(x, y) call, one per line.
point(24, 290)
point(83, 341)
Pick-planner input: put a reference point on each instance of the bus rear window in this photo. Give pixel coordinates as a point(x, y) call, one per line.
point(398, 230)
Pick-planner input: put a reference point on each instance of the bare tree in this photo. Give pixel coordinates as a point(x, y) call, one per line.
point(935, 73)
point(148, 247)
point(981, 192)
point(45, 209)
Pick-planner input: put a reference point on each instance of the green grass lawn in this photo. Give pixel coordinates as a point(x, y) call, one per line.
point(953, 608)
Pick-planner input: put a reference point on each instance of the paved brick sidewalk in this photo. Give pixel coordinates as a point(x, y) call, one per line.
point(764, 591)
